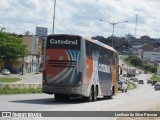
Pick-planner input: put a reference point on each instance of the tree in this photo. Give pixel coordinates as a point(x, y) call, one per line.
point(27, 33)
point(134, 60)
point(11, 48)
point(150, 68)
point(2, 29)
point(104, 40)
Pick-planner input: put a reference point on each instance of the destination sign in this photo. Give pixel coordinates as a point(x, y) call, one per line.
point(63, 42)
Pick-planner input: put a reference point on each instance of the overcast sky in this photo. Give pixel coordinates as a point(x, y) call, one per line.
point(82, 17)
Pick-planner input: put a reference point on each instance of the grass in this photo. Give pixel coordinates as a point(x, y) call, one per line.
point(124, 60)
point(131, 85)
point(8, 80)
point(8, 90)
point(156, 78)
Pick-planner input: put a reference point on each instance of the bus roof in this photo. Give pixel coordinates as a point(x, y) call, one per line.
point(91, 40)
point(101, 44)
point(64, 35)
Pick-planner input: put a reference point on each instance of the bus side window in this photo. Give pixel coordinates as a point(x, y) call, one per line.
point(112, 58)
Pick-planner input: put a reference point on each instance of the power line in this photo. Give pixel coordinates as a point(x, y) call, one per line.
point(64, 26)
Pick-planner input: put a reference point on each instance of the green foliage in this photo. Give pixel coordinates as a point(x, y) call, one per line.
point(149, 67)
point(137, 62)
point(8, 90)
point(11, 48)
point(156, 78)
point(104, 40)
point(5, 79)
point(125, 60)
point(131, 85)
point(134, 60)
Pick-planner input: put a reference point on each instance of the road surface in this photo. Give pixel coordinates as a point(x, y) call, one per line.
point(144, 97)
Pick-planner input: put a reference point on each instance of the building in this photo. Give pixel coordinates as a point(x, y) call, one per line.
point(151, 56)
point(32, 62)
point(148, 47)
point(35, 47)
point(145, 38)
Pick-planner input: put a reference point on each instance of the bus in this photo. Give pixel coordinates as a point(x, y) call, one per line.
point(77, 66)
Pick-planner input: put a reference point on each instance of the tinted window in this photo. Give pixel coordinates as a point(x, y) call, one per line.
point(99, 53)
point(63, 42)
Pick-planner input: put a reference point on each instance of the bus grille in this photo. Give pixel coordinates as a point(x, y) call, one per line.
point(62, 63)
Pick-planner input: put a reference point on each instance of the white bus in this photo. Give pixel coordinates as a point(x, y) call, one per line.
point(77, 66)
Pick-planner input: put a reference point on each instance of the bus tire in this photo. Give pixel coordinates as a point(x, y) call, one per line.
point(109, 97)
point(94, 97)
point(126, 91)
point(104, 97)
point(57, 97)
point(90, 97)
point(122, 90)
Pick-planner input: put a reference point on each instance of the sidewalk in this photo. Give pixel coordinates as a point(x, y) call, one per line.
point(28, 80)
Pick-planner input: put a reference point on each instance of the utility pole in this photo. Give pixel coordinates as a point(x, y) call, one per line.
point(136, 26)
point(54, 15)
point(113, 24)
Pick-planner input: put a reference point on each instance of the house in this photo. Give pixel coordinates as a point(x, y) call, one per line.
point(31, 62)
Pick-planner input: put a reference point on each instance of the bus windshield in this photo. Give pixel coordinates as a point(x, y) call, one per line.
point(63, 42)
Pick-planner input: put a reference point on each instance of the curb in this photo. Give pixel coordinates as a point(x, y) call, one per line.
point(19, 85)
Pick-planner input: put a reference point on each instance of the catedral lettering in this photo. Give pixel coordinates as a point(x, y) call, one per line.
point(53, 41)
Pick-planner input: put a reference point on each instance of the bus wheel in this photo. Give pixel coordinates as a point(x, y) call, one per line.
point(122, 90)
point(104, 97)
point(61, 97)
point(90, 97)
point(94, 97)
point(57, 97)
point(109, 97)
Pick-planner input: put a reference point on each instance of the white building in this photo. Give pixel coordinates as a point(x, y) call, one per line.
point(151, 56)
point(138, 52)
point(31, 62)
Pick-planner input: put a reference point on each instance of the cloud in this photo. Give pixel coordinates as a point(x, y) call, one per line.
point(81, 16)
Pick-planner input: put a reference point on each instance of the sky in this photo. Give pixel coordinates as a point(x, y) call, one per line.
point(82, 17)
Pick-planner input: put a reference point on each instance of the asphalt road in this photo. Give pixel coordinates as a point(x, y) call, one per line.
point(143, 97)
